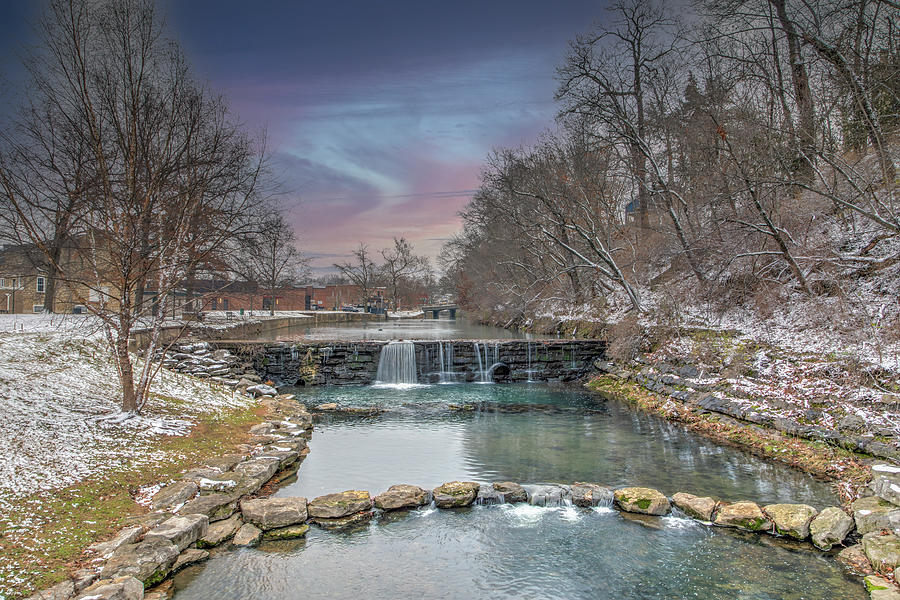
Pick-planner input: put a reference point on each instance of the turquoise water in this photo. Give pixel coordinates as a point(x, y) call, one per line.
point(531, 434)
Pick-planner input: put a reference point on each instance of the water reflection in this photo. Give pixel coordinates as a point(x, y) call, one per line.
point(528, 433)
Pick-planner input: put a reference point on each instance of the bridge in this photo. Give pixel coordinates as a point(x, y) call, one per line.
point(436, 309)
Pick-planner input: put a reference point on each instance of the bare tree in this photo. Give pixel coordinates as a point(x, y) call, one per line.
point(400, 263)
point(167, 176)
point(270, 258)
point(361, 271)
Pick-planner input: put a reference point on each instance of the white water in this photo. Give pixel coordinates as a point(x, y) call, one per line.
point(397, 364)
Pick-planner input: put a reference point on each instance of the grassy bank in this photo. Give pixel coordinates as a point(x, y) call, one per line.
point(55, 527)
point(817, 458)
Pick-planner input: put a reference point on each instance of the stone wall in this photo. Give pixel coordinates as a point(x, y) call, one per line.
point(349, 363)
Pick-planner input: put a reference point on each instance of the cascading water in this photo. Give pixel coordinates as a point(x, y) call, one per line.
point(397, 364)
point(445, 360)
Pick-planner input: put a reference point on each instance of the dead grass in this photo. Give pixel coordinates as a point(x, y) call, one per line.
point(58, 526)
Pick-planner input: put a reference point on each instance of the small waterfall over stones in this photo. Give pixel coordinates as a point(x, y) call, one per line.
point(397, 363)
point(549, 495)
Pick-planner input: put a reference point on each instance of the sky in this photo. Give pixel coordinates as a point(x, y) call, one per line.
point(378, 115)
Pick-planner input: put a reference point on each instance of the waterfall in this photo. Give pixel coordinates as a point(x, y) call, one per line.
point(397, 363)
point(445, 358)
point(529, 371)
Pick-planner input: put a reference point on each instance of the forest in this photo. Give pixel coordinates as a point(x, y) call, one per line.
point(714, 159)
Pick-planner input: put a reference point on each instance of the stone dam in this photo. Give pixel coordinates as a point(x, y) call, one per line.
point(457, 361)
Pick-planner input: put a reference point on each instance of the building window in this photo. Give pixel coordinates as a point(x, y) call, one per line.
point(40, 287)
point(38, 308)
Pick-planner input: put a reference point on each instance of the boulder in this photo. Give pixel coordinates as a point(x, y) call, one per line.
point(247, 536)
point(883, 551)
point(743, 515)
point(261, 389)
point(342, 504)
point(455, 494)
point(345, 522)
point(214, 484)
point(223, 463)
point(119, 588)
point(886, 482)
point(286, 533)
point(174, 495)
point(220, 531)
point(61, 591)
point(854, 560)
point(147, 520)
point(214, 506)
point(830, 527)
point(81, 578)
point(127, 535)
point(401, 496)
point(874, 514)
point(590, 494)
point(511, 492)
point(644, 501)
point(488, 496)
point(189, 557)
point(880, 588)
point(791, 520)
point(327, 406)
point(181, 530)
point(272, 513)
point(149, 561)
point(697, 507)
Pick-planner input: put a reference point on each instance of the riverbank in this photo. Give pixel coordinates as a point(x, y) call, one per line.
point(73, 467)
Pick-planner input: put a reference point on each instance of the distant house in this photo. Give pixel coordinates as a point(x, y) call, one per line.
point(24, 279)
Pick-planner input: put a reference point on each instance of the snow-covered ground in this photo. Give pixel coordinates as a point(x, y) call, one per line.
point(808, 388)
point(62, 423)
point(59, 397)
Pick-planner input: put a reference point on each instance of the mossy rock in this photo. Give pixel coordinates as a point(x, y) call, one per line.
point(342, 504)
point(286, 533)
point(743, 515)
point(645, 501)
point(455, 494)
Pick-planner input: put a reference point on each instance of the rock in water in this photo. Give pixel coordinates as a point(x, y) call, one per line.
point(830, 527)
point(743, 515)
point(512, 492)
point(401, 496)
point(645, 501)
point(286, 533)
point(880, 588)
point(220, 531)
point(590, 494)
point(342, 504)
point(247, 536)
point(698, 507)
point(791, 520)
point(455, 494)
point(272, 513)
point(189, 557)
